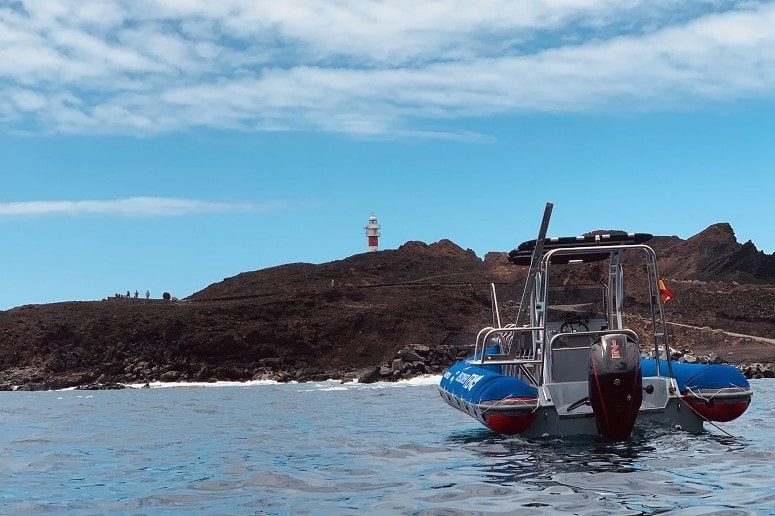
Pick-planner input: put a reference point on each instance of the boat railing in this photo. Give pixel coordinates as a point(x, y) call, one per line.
point(481, 357)
point(592, 333)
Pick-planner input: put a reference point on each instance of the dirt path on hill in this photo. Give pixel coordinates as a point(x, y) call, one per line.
point(731, 334)
point(736, 348)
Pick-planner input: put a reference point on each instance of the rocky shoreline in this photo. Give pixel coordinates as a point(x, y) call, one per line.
point(755, 370)
point(409, 362)
point(416, 360)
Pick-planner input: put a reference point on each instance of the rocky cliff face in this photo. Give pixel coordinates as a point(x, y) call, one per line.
point(306, 321)
point(715, 255)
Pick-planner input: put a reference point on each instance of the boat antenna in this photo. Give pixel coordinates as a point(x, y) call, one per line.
point(535, 262)
point(496, 314)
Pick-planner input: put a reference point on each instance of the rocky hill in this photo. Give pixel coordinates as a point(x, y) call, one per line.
point(412, 262)
point(306, 321)
point(714, 255)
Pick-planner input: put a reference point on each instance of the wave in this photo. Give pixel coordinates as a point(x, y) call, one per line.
point(417, 381)
point(327, 385)
point(223, 383)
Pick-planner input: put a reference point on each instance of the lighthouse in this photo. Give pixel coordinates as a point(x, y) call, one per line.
point(372, 233)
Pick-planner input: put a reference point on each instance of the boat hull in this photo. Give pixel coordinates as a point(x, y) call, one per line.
point(717, 392)
point(503, 404)
point(509, 406)
point(549, 423)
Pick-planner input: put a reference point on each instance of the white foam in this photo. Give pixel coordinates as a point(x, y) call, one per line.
point(327, 385)
point(322, 387)
point(417, 381)
point(165, 385)
point(426, 379)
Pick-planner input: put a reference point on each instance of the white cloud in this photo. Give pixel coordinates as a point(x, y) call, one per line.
point(369, 67)
point(130, 207)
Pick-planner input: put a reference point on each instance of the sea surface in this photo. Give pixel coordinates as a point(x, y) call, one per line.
point(326, 448)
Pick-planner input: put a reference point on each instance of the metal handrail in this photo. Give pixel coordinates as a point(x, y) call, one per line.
point(478, 337)
point(593, 248)
point(485, 330)
point(590, 333)
point(485, 333)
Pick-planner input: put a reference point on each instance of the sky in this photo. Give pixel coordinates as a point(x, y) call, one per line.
point(167, 144)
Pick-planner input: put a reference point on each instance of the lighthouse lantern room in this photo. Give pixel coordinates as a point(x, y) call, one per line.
point(372, 233)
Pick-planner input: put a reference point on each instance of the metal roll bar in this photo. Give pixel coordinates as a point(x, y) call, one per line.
point(659, 328)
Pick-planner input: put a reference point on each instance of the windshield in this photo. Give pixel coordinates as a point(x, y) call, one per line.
point(583, 302)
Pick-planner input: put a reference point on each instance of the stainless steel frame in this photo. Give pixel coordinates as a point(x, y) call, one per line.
point(538, 293)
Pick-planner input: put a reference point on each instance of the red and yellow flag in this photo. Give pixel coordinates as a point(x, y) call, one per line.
point(664, 291)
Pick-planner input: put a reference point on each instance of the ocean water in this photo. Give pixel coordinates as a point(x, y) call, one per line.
point(326, 448)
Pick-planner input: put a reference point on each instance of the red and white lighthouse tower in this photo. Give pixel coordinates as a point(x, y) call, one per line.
point(372, 233)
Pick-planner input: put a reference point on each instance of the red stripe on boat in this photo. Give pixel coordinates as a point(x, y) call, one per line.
point(721, 411)
point(509, 425)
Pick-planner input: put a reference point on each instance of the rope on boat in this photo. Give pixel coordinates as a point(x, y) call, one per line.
point(699, 395)
point(524, 402)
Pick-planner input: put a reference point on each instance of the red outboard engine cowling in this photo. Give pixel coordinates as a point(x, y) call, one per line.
point(615, 385)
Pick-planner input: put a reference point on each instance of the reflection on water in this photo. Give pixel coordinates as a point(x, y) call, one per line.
point(655, 471)
point(386, 449)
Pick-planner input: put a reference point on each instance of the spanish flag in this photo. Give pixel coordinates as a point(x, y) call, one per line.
point(664, 292)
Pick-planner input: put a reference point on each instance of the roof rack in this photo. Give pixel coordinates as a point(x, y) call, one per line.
point(523, 253)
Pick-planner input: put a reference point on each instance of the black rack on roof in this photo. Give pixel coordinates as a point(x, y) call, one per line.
point(524, 252)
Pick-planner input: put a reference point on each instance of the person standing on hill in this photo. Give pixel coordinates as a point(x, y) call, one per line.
point(147, 295)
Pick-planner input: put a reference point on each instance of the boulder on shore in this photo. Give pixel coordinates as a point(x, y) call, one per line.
point(370, 375)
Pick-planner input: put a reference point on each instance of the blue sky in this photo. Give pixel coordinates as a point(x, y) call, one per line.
point(166, 145)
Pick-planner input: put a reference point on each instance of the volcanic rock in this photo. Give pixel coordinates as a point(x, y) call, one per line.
point(715, 255)
point(371, 375)
point(409, 355)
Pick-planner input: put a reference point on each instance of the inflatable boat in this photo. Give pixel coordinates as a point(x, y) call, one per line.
point(570, 366)
point(510, 405)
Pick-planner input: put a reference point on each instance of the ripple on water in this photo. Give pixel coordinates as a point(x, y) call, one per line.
point(313, 449)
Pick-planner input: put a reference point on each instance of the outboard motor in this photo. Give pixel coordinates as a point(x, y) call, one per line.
point(615, 385)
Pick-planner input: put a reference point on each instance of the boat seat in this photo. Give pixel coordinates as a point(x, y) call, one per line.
point(570, 360)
